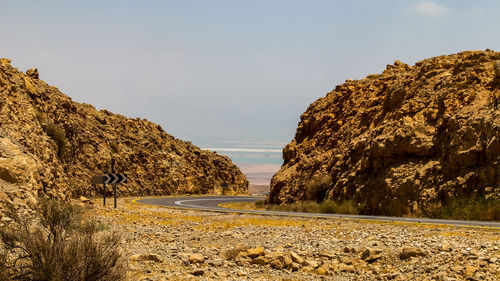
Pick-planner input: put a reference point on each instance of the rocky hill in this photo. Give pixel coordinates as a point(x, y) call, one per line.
point(403, 141)
point(50, 145)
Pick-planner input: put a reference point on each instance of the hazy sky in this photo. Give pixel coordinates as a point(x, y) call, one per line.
point(230, 71)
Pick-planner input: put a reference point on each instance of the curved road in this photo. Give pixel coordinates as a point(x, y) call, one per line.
point(213, 203)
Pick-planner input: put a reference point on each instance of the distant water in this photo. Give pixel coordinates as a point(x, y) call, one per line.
point(259, 161)
point(251, 152)
point(251, 155)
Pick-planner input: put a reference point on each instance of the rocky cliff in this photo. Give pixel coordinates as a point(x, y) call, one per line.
point(50, 145)
point(403, 141)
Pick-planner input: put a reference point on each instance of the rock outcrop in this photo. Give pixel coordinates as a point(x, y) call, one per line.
point(403, 141)
point(52, 146)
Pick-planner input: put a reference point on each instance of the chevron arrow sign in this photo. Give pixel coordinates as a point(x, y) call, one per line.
point(115, 178)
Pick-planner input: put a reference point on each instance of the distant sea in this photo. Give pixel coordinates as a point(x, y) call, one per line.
point(259, 161)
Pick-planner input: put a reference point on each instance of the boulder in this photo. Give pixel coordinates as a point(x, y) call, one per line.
point(33, 73)
point(260, 260)
point(196, 258)
point(371, 255)
point(255, 252)
point(409, 252)
point(296, 258)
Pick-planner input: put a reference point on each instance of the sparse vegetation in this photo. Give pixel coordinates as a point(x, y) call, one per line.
point(325, 206)
point(473, 208)
point(317, 186)
point(58, 245)
point(470, 208)
point(58, 134)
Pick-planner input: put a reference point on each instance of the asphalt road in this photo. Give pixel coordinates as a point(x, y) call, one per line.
point(213, 203)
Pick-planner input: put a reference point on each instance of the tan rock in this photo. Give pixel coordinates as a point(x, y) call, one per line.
point(198, 272)
point(146, 257)
point(260, 260)
point(276, 264)
point(445, 247)
point(255, 252)
point(457, 268)
point(409, 252)
point(470, 270)
point(371, 255)
point(5, 62)
point(295, 266)
point(196, 258)
point(327, 255)
point(322, 270)
point(296, 258)
point(312, 263)
point(33, 73)
point(287, 261)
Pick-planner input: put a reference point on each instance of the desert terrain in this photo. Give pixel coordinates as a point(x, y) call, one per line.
point(172, 244)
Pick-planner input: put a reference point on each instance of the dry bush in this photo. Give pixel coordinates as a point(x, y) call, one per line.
point(326, 206)
point(59, 136)
point(317, 187)
point(57, 245)
point(470, 208)
point(344, 207)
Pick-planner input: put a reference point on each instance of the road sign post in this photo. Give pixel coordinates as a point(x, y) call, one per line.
point(111, 179)
point(114, 192)
point(224, 187)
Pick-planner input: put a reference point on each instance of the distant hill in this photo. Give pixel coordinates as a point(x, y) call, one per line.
point(52, 146)
point(403, 141)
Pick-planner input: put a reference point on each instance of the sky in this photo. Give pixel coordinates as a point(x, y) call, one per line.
point(230, 73)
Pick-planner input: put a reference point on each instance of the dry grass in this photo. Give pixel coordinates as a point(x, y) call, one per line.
point(473, 208)
point(326, 206)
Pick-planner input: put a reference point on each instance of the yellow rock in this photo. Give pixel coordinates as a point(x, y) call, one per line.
point(255, 252)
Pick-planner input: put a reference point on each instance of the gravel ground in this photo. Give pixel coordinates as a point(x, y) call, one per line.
point(170, 244)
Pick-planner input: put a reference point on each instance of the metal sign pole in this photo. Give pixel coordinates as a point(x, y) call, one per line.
point(114, 191)
point(104, 194)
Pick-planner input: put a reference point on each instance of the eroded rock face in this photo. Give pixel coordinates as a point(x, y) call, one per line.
point(402, 141)
point(50, 145)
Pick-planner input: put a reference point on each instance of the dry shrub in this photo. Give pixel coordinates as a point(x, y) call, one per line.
point(344, 207)
point(58, 245)
point(317, 187)
point(326, 206)
point(58, 134)
point(470, 208)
